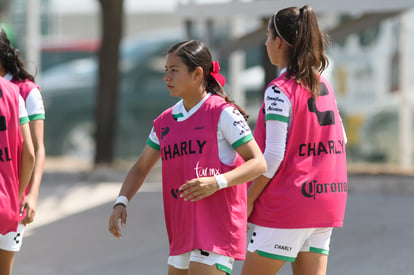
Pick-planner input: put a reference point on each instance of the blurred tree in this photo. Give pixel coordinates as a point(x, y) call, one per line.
point(4, 5)
point(108, 80)
point(4, 20)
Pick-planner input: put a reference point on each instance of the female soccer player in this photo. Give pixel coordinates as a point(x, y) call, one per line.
point(16, 165)
point(207, 152)
point(12, 68)
point(302, 195)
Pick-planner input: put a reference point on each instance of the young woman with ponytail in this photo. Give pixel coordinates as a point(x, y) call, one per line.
point(302, 195)
point(12, 69)
point(207, 153)
point(16, 166)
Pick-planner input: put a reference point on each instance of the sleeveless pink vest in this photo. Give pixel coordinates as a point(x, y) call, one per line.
point(310, 187)
point(10, 154)
point(189, 150)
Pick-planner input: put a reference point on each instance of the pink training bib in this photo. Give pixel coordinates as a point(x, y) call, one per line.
point(189, 150)
point(310, 187)
point(11, 142)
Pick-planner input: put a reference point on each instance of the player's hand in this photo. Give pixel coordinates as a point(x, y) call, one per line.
point(28, 204)
point(119, 213)
point(198, 188)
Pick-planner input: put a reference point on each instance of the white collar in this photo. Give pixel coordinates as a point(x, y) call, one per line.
point(180, 109)
point(282, 71)
point(8, 76)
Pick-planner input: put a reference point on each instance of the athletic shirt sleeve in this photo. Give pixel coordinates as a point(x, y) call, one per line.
point(153, 140)
point(23, 117)
point(232, 132)
point(278, 111)
point(34, 105)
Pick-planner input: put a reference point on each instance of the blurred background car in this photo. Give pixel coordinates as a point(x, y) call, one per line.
point(380, 134)
point(58, 51)
point(69, 92)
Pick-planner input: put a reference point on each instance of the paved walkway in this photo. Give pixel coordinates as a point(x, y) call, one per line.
point(68, 192)
point(69, 235)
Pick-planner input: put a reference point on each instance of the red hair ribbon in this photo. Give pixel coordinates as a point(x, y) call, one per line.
point(215, 73)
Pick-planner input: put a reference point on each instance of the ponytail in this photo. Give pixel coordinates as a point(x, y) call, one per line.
point(13, 64)
point(299, 27)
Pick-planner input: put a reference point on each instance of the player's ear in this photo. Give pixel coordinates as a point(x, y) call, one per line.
point(198, 73)
point(279, 42)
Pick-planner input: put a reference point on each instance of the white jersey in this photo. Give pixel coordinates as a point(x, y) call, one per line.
point(278, 120)
point(232, 128)
point(22, 110)
point(34, 105)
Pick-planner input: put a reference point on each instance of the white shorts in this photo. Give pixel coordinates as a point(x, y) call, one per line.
point(182, 261)
point(12, 241)
point(285, 244)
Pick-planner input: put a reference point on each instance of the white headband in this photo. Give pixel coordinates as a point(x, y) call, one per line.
point(277, 31)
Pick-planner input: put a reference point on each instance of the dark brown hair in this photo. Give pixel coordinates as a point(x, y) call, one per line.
point(195, 54)
point(299, 27)
point(11, 60)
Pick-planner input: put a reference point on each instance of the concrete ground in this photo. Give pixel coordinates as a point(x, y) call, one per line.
point(69, 235)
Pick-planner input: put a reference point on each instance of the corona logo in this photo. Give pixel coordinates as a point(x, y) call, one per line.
point(311, 189)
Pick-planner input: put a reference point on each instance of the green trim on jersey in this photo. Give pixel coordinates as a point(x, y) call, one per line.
point(243, 140)
point(277, 117)
point(23, 120)
point(319, 251)
point(37, 116)
point(176, 116)
point(276, 257)
point(224, 268)
point(153, 145)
